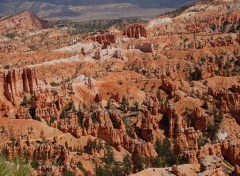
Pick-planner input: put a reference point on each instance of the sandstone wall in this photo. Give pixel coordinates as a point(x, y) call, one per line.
point(16, 82)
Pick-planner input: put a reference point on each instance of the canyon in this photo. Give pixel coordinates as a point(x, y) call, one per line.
point(155, 98)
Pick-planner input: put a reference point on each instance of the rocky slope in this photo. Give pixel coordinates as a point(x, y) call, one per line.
point(26, 19)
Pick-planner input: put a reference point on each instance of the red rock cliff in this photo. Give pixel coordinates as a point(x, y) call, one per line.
point(25, 19)
point(16, 82)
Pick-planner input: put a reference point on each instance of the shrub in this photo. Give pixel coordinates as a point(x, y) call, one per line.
point(80, 166)
point(124, 104)
point(166, 155)
point(53, 84)
point(25, 101)
point(136, 104)
point(211, 131)
point(205, 83)
point(32, 112)
point(7, 66)
point(213, 128)
point(100, 171)
point(138, 164)
point(90, 145)
point(205, 105)
point(109, 157)
point(127, 164)
point(14, 167)
point(159, 97)
point(67, 172)
point(35, 164)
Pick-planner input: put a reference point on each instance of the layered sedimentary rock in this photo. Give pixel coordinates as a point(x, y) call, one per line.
point(211, 165)
point(51, 113)
point(90, 83)
point(23, 113)
point(179, 128)
point(70, 125)
point(153, 105)
point(17, 82)
point(145, 129)
point(105, 125)
point(227, 101)
point(216, 22)
point(168, 87)
point(46, 111)
point(97, 98)
point(97, 55)
point(7, 48)
point(105, 39)
point(25, 19)
point(135, 31)
point(229, 150)
point(220, 19)
point(200, 119)
point(143, 149)
point(42, 151)
point(110, 128)
point(187, 142)
point(145, 47)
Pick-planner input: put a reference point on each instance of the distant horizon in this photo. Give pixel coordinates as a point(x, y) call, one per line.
point(85, 10)
point(142, 3)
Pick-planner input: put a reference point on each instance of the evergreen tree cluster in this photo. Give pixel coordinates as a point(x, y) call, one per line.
point(213, 128)
point(166, 156)
point(111, 167)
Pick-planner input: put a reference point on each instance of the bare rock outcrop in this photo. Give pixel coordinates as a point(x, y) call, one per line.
point(145, 47)
point(23, 113)
point(199, 118)
point(187, 141)
point(110, 127)
point(105, 39)
point(227, 101)
point(211, 165)
point(135, 31)
point(26, 20)
point(143, 149)
point(145, 130)
point(17, 82)
point(229, 150)
point(168, 87)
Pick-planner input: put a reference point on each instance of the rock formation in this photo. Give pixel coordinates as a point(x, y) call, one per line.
point(227, 101)
point(18, 82)
point(22, 20)
point(200, 119)
point(135, 31)
point(105, 39)
point(168, 87)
